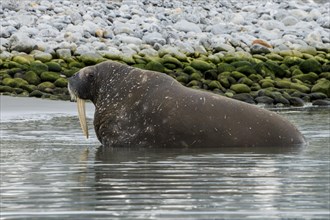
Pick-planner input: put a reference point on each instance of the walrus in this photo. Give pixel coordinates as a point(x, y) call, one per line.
point(135, 107)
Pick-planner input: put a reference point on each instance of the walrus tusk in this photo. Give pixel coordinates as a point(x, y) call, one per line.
point(82, 116)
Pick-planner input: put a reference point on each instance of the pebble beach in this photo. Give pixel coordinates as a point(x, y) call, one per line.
point(262, 52)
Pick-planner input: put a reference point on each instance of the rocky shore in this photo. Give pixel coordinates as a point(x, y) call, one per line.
point(261, 52)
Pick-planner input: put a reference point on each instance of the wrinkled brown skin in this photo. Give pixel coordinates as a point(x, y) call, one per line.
point(137, 107)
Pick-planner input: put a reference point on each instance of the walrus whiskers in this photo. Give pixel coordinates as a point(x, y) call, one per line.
point(82, 116)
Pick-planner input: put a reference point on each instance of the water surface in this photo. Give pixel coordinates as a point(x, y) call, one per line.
point(49, 171)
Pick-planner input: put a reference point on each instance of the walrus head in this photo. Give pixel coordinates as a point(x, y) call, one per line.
point(80, 87)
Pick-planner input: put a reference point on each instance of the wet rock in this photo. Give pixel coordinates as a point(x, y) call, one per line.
point(295, 101)
point(321, 102)
point(317, 95)
point(264, 100)
point(245, 97)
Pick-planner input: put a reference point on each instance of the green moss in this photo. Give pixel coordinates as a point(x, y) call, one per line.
point(172, 60)
point(12, 64)
point(196, 76)
point(255, 77)
point(6, 89)
point(325, 75)
point(21, 59)
point(155, 66)
point(36, 93)
point(237, 64)
point(264, 70)
point(38, 67)
point(189, 70)
point(194, 83)
point(140, 66)
point(300, 87)
point(307, 78)
point(275, 68)
point(49, 76)
point(92, 58)
point(323, 86)
point(290, 61)
point(211, 74)
point(183, 78)
point(274, 57)
point(283, 83)
point(31, 77)
point(296, 72)
point(225, 67)
point(43, 57)
point(46, 86)
point(76, 64)
point(245, 81)
point(54, 67)
point(310, 65)
point(61, 82)
point(70, 72)
point(127, 59)
point(202, 65)
point(215, 85)
point(260, 57)
point(224, 81)
point(255, 87)
point(17, 82)
point(246, 70)
point(29, 88)
point(237, 75)
point(240, 88)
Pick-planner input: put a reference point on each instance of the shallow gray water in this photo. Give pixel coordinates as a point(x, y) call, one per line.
point(49, 171)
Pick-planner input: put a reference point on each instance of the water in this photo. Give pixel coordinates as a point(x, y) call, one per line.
point(49, 171)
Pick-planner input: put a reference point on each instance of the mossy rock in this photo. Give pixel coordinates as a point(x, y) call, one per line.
point(61, 82)
point(36, 93)
point(283, 83)
point(245, 81)
point(172, 60)
point(325, 75)
point(323, 86)
point(183, 78)
point(246, 70)
point(263, 70)
point(296, 72)
point(307, 78)
point(170, 66)
point(24, 60)
point(237, 75)
point(255, 87)
point(70, 72)
point(49, 76)
point(317, 95)
point(275, 68)
point(91, 58)
point(29, 88)
point(54, 67)
point(76, 64)
point(43, 57)
point(326, 68)
point(139, 65)
point(225, 67)
point(260, 57)
point(6, 89)
point(4, 74)
point(274, 57)
point(224, 81)
point(17, 82)
point(32, 78)
point(46, 86)
point(12, 64)
point(264, 100)
point(202, 65)
point(155, 66)
point(211, 74)
point(237, 64)
point(189, 70)
point(214, 84)
point(290, 61)
point(300, 87)
point(255, 77)
point(310, 65)
point(240, 88)
point(129, 60)
point(195, 83)
point(267, 84)
point(38, 67)
point(196, 76)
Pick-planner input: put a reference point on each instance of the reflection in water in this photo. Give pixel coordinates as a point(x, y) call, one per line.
point(52, 173)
